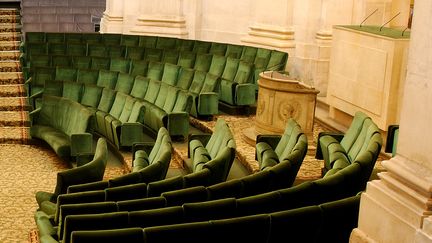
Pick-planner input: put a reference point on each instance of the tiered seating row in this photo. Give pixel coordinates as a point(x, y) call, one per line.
point(136, 47)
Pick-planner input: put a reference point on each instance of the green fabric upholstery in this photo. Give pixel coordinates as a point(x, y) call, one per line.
point(139, 87)
point(170, 74)
point(152, 91)
point(129, 40)
point(116, 51)
point(166, 43)
point(249, 54)
point(73, 49)
point(72, 91)
point(234, 51)
point(106, 100)
point(155, 70)
point(107, 79)
point(73, 37)
point(139, 67)
point(92, 38)
point(185, 77)
point(131, 235)
point(124, 83)
point(153, 54)
point(148, 41)
point(135, 52)
point(170, 56)
point(52, 37)
point(185, 45)
point(87, 76)
point(62, 61)
point(218, 48)
point(217, 65)
point(186, 59)
point(91, 95)
point(95, 50)
point(202, 62)
point(56, 49)
point(230, 69)
point(201, 47)
point(66, 74)
point(100, 63)
point(111, 39)
point(119, 65)
point(81, 62)
point(197, 82)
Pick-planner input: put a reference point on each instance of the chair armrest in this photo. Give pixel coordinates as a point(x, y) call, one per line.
point(146, 146)
point(81, 143)
point(178, 124)
point(336, 135)
point(33, 115)
point(271, 140)
point(131, 132)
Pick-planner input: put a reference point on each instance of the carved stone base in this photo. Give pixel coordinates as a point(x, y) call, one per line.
point(173, 26)
point(270, 36)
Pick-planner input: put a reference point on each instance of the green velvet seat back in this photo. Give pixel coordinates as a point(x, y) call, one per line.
point(119, 65)
point(166, 43)
point(95, 50)
point(152, 91)
point(131, 235)
point(91, 95)
point(161, 138)
point(53, 88)
point(91, 38)
point(73, 37)
point(155, 70)
point(244, 73)
point(170, 74)
point(185, 78)
point(111, 39)
point(230, 70)
point(148, 41)
point(217, 65)
point(41, 75)
point(127, 109)
point(53, 37)
point(48, 108)
point(249, 54)
point(139, 87)
point(87, 76)
point(36, 37)
point(262, 58)
point(186, 59)
point(234, 51)
point(40, 61)
point(116, 51)
point(107, 79)
point(36, 49)
point(118, 104)
point(129, 40)
point(170, 100)
point(106, 100)
point(81, 62)
point(202, 62)
point(139, 67)
point(100, 63)
point(124, 83)
point(170, 56)
point(211, 83)
point(162, 96)
point(137, 112)
point(62, 61)
point(66, 74)
point(135, 52)
point(197, 82)
point(153, 54)
point(277, 61)
point(56, 49)
point(218, 48)
point(362, 142)
point(76, 49)
point(185, 45)
point(354, 130)
point(201, 47)
point(183, 102)
point(72, 91)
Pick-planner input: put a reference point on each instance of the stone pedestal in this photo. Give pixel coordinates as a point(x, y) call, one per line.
point(281, 98)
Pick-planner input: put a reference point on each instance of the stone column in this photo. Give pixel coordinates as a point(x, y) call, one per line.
point(397, 207)
point(112, 20)
point(272, 26)
point(161, 18)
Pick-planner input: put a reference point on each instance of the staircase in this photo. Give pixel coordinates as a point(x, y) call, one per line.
point(14, 106)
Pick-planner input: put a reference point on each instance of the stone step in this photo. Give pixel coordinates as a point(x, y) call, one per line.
point(10, 27)
point(15, 135)
point(10, 36)
point(10, 66)
point(14, 119)
point(9, 11)
point(9, 55)
point(15, 90)
point(7, 78)
point(14, 104)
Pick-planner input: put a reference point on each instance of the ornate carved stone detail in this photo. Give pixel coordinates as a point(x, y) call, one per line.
point(289, 109)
